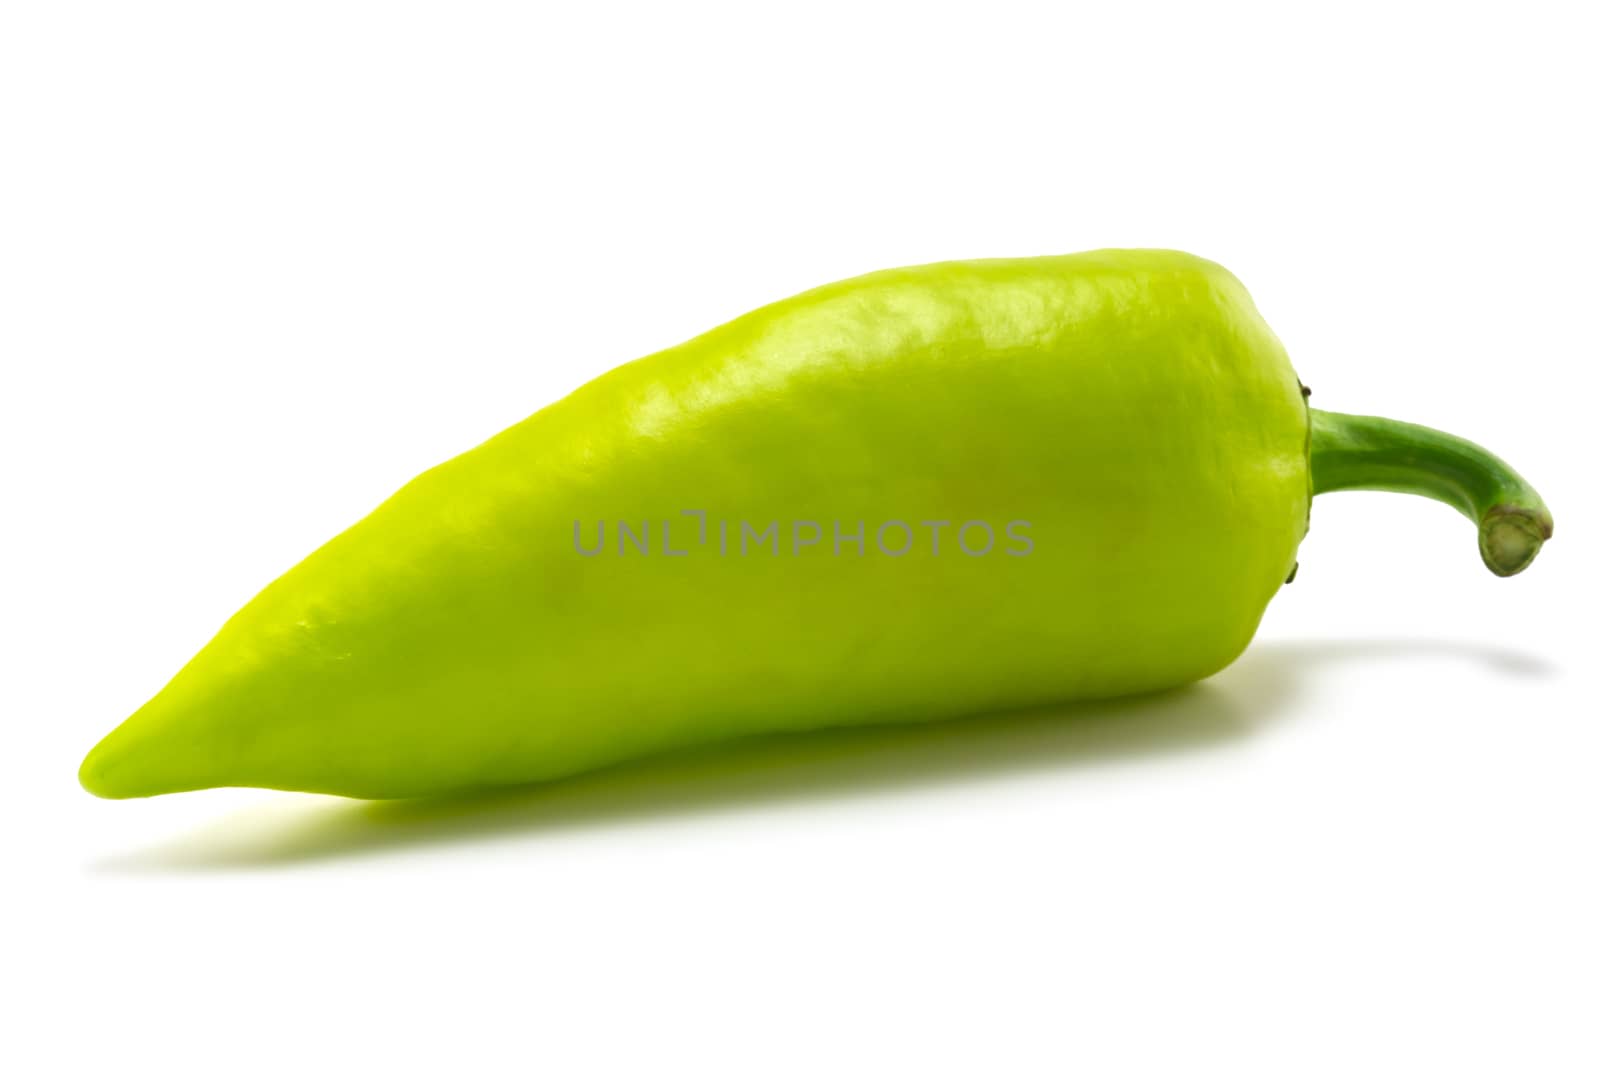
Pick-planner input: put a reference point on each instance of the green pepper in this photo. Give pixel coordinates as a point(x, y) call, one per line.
point(913, 495)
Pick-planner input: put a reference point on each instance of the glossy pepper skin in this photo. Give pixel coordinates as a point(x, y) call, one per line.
point(1127, 415)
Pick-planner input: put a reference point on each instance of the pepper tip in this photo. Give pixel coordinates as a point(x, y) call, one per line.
point(92, 774)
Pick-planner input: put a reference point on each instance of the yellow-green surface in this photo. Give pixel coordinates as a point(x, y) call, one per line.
point(1130, 406)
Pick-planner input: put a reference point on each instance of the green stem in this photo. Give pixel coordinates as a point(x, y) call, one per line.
point(1361, 452)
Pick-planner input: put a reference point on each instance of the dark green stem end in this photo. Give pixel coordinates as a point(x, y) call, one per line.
point(1361, 452)
point(1509, 537)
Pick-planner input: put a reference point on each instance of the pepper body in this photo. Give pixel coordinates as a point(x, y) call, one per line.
point(1123, 423)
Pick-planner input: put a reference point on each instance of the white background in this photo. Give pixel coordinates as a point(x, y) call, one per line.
point(260, 263)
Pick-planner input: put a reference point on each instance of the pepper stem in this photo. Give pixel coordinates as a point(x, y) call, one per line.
point(1361, 452)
